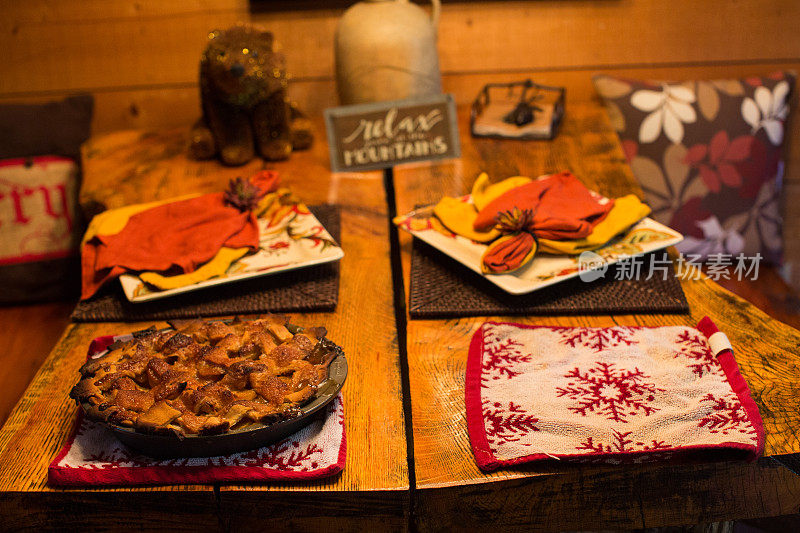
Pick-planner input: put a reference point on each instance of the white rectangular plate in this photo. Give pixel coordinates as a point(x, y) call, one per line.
point(545, 270)
point(296, 240)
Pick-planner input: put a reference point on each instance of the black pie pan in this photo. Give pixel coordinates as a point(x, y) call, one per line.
point(236, 440)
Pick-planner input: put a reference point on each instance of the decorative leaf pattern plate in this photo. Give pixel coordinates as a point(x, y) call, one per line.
point(545, 270)
point(290, 239)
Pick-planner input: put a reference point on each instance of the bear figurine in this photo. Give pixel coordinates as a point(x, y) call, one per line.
point(243, 85)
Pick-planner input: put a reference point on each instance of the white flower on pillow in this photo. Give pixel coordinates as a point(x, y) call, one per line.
point(669, 108)
point(767, 110)
point(716, 240)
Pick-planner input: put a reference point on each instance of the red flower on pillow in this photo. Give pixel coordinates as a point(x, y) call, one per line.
point(761, 166)
point(686, 217)
point(717, 161)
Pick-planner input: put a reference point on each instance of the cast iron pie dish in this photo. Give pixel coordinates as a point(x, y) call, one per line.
point(211, 387)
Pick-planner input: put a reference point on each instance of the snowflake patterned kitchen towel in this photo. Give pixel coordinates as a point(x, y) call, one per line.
point(607, 395)
point(93, 456)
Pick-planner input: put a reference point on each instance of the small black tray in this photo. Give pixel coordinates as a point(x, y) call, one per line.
point(497, 102)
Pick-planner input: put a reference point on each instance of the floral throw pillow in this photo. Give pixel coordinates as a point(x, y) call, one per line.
point(708, 157)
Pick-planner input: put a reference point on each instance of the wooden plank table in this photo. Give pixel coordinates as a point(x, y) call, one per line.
point(450, 489)
point(373, 490)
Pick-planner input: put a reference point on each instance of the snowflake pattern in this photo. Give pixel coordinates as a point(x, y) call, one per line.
point(507, 424)
point(598, 339)
point(727, 414)
point(620, 443)
point(608, 391)
point(286, 455)
point(501, 356)
point(602, 395)
point(694, 347)
point(276, 456)
point(311, 449)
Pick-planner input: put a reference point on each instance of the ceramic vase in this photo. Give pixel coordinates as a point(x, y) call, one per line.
point(386, 50)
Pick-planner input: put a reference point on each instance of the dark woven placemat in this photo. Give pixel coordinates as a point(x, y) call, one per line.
point(307, 289)
point(442, 287)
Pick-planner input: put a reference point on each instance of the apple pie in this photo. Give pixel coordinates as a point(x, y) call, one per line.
point(206, 377)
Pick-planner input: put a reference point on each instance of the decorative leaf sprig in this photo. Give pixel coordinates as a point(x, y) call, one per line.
point(514, 220)
point(243, 195)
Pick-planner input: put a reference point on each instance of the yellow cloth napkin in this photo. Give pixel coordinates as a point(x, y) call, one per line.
point(217, 266)
point(458, 216)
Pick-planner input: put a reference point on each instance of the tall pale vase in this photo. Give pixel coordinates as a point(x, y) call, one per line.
point(386, 50)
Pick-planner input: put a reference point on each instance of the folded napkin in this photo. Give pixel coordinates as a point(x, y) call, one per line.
point(509, 253)
point(627, 211)
point(483, 191)
point(93, 456)
point(168, 237)
point(607, 395)
point(561, 208)
point(518, 216)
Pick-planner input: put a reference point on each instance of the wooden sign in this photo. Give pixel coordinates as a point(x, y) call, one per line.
point(384, 134)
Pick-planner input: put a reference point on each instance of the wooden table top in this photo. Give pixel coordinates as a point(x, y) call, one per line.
point(444, 489)
point(450, 487)
point(375, 478)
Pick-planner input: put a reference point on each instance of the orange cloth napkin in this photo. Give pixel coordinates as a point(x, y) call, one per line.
point(509, 253)
point(562, 208)
point(558, 207)
point(179, 235)
point(175, 236)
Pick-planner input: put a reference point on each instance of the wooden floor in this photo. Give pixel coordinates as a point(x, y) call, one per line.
point(27, 334)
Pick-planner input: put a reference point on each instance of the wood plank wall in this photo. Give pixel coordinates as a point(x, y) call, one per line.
point(139, 58)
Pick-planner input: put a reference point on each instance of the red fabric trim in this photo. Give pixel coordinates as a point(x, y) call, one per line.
point(676, 453)
point(342, 458)
point(37, 160)
point(472, 398)
point(148, 475)
point(101, 344)
point(30, 258)
point(487, 462)
point(65, 449)
point(739, 385)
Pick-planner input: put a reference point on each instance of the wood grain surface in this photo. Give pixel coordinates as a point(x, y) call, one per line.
point(373, 489)
point(159, 43)
point(452, 490)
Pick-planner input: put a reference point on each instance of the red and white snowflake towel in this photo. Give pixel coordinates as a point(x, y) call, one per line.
point(93, 456)
point(610, 395)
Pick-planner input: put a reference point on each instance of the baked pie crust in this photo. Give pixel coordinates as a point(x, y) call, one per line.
point(206, 377)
